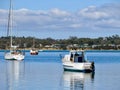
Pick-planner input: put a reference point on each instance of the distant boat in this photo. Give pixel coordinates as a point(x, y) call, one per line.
point(33, 50)
point(75, 61)
point(14, 53)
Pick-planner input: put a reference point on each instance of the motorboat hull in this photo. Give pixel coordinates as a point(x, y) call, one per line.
point(79, 67)
point(34, 52)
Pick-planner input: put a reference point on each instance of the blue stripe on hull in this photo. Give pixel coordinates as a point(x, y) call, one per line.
point(11, 59)
point(65, 69)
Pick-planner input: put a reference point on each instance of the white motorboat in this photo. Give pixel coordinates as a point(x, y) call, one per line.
point(33, 51)
point(14, 53)
point(75, 61)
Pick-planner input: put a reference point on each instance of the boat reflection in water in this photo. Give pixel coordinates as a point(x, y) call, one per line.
point(76, 80)
point(14, 71)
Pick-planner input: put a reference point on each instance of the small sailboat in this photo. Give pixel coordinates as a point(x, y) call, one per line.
point(75, 61)
point(33, 50)
point(14, 53)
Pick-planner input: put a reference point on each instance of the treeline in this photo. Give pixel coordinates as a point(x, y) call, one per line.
point(111, 42)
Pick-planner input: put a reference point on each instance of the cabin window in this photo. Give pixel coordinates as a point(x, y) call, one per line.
point(80, 59)
point(76, 54)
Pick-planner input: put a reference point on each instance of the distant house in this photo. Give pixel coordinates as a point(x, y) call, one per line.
point(112, 45)
point(72, 46)
point(85, 45)
point(94, 46)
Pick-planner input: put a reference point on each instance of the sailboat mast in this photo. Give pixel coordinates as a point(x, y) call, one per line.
point(9, 21)
point(33, 43)
point(9, 30)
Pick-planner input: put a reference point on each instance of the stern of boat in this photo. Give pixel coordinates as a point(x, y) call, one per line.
point(89, 66)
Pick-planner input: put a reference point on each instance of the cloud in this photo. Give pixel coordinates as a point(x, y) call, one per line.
point(110, 24)
point(92, 13)
point(58, 13)
point(92, 17)
point(3, 17)
point(106, 16)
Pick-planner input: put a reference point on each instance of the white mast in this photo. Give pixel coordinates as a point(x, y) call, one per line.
point(9, 30)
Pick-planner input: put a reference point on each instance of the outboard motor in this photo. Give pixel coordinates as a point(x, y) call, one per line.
point(93, 66)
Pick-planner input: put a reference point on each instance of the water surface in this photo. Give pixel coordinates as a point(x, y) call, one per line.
point(45, 72)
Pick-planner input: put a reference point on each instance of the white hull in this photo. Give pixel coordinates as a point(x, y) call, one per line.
point(9, 56)
point(34, 52)
point(86, 66)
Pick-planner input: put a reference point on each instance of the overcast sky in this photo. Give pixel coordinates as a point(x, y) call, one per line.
point(62, 18)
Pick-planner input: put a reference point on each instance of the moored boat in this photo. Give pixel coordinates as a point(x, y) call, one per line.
point(76, 61)
point(14, 53)
point(33, 51)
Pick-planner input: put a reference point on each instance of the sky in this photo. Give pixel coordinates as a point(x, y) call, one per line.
point(61, 19)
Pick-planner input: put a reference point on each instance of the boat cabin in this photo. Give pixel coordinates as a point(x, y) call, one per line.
point(77, 56)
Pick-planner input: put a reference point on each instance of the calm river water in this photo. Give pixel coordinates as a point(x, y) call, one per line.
point(45, 72)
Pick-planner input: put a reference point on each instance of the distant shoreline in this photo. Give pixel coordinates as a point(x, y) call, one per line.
point(40, 50)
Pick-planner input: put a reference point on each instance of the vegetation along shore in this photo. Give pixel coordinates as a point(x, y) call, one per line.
point(105, 43)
